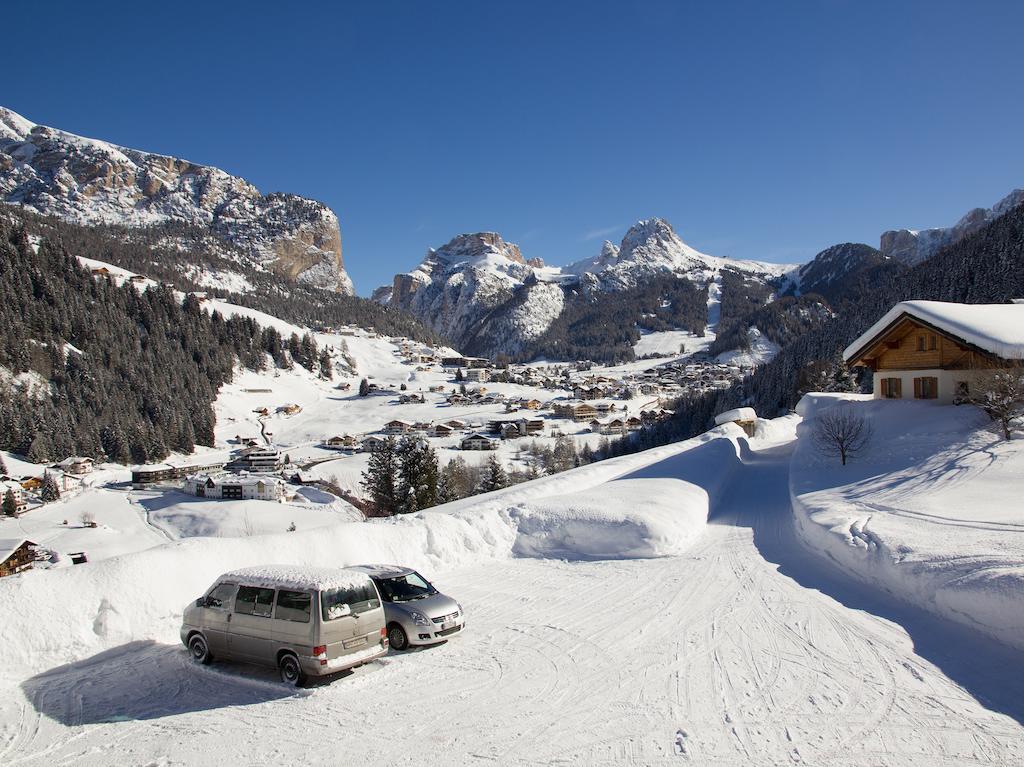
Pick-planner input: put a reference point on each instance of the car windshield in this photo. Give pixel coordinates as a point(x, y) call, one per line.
point(402, 588)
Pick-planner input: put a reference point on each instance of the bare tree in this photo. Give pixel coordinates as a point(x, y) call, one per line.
point(1000, 395)
point(841, 431)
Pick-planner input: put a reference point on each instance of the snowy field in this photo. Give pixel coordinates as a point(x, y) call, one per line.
point(931, 513)
point(656, 608)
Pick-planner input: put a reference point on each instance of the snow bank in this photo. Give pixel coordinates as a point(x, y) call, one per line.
point(930, 514)
point(641, 505)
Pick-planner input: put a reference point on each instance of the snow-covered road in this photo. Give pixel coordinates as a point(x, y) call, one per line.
point(741, 652)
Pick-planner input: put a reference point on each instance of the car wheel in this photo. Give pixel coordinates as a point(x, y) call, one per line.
point(291, 671)
point(397, 637)
point(198, 650)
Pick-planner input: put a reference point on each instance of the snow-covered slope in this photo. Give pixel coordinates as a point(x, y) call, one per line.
point(89, 181)
point(480, 292)
point(911, 246)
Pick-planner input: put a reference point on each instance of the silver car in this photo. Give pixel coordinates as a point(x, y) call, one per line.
point(416, 612)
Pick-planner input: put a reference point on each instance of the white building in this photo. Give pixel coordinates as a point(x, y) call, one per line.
point(478, 441)
point(234, 487)
point(20, 504)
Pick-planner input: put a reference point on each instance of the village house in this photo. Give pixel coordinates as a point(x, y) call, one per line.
point(76, 465)
point(255, 459)
point(346, 442)
point(441, 430)
point(163, 472)
point(372, 444)
point(478, 441)
point(397, 427)
point(932, 349)
point(16, 491)
point(290, 409)
point(234, 487)
point(16, 555)
point(477, 375)
point(744, 417)
point(456, 424)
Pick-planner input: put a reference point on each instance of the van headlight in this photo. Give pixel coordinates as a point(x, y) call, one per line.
point(419, 618)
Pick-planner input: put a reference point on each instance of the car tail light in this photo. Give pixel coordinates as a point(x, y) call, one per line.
point(319, 650)
point(384, 637)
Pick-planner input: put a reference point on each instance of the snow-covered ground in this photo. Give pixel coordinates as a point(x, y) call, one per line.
point(930, 512)
point(602, 628)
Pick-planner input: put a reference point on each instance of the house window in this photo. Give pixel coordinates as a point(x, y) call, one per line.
point(926, 387)
point(892, 388)
point(920, 343)
point(933, 342)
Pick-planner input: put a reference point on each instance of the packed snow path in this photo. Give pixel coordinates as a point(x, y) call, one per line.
point(742, 652)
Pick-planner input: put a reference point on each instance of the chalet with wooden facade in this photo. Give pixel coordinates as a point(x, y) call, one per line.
point(16, 555)
point(931, 349)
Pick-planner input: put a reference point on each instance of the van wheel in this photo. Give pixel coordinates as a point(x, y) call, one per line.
point(291, 671)
point(397, 637)
point(199, 650)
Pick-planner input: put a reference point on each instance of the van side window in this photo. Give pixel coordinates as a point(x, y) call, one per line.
point(221, 595)
point(254, 601)
point(293, 606)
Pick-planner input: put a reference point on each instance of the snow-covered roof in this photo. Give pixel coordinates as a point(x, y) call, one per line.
point(995, 328)
point(737, 414)
point(296, 577)
point(9, 545)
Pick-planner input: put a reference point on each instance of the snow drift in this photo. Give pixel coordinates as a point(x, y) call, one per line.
point(928, 514)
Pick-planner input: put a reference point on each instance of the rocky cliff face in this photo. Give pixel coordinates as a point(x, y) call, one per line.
point(835, 268)
point(480, 292)
point(911, 246)
point(87, 181)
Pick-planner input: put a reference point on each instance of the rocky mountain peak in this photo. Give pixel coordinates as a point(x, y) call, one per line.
point(466, 247)
point(87, 181)
point(649, 234)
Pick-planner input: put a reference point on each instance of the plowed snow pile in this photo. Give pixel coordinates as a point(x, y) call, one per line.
point(930, 512)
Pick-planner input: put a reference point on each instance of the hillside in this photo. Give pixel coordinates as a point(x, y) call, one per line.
point(88, 181)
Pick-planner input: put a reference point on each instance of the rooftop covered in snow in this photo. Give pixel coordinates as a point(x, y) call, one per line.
point(994, 328)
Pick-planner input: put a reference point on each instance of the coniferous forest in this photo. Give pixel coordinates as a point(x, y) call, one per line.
point(95, 369)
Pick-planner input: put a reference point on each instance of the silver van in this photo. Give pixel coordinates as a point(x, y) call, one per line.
point(304, 621)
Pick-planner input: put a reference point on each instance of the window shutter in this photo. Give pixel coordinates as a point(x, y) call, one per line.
point(917, 388)
point(896, 386)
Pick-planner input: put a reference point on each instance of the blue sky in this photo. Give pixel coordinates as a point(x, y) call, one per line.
point(760, 130)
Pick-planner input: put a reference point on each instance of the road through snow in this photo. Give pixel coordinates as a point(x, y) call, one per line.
point(742, 652)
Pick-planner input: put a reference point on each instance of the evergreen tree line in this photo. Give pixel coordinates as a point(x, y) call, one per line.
point(174, 252)
point(984, 267)
point(604, 326)
point(404, 476)
point(95, 369)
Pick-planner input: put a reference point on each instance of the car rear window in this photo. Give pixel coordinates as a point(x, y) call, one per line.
point(293, 606)
point(359, 598)
point(252, 600)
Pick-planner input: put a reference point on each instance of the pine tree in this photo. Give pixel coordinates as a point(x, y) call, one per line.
point(364, 388)
point(494, 477)
point(379, 478)
point(326, 366)
point(3, 466)
point(417, 475)
point(50, 491)
point(459, 376)
point(10, 505)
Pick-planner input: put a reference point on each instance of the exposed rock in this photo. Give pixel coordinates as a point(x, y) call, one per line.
point(912, 246)
point(87, 181)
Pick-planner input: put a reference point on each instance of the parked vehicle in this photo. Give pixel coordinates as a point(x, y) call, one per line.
point(417, 613)
point(304, 621)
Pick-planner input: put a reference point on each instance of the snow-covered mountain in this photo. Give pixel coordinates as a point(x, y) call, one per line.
point(913, 246)
point(832, 269)
point(481, 293)
point(87, 181)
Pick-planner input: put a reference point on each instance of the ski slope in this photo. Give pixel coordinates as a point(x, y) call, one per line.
point(740, 650)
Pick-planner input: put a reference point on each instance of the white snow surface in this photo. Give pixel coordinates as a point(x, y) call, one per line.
point(929, 513)
point(740, 649)
point(996, 328)
point(292, 577)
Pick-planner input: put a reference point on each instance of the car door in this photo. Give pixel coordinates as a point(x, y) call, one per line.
point(216, 616)
point(251, 634)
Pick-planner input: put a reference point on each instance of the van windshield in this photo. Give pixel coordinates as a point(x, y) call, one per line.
point(404, 588)
point(358, 598)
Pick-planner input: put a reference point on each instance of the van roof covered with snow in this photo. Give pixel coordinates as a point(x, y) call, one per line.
point(297, 577)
